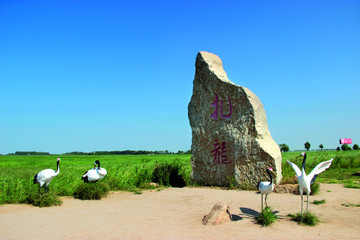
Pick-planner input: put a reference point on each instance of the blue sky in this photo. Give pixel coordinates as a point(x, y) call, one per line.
point(116, 75)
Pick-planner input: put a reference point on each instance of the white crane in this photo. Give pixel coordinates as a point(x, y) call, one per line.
point(95, 173)
point(266, 187)
point(45, 176)
point(306, 180)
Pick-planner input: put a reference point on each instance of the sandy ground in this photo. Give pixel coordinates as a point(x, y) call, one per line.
point(176, 213)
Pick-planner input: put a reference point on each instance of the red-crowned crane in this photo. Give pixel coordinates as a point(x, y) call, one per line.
point(266, 187)
point(45, 176)
point(306, 180)
point(95, 173)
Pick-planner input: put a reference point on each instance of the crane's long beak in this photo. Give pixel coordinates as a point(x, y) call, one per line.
point(274, 173)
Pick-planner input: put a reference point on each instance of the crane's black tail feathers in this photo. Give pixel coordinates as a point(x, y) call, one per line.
point(35, 178)
point(86, 179)
point(257, 186)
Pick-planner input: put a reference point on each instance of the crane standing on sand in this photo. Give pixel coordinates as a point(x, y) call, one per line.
point(266, 187)
point(306, 180)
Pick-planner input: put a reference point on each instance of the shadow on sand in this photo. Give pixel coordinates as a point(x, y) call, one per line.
point(235, 217)
point(249, 213)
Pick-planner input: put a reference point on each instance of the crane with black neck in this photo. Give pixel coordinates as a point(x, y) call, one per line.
point(306, 180)
point(266, 187)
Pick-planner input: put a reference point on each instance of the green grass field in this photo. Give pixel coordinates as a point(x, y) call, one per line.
point(125, 172)
point(342, 170)
point(134, 172)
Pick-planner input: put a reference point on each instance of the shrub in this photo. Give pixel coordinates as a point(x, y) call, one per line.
point(43, 200)
point(318, 202)
point(92, 191)
point(266, 217)
point(350, 205)
point(356, 147)
point(142, 175)
point(168, 175)
point(351, 184)
point(308, 219)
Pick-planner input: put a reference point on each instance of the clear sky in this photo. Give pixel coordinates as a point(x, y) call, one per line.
point(115, 75)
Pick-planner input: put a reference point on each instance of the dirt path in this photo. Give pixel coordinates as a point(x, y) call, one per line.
point(176, 213)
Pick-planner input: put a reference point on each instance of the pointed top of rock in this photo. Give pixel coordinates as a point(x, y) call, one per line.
point(208, 58)
point(210, 61)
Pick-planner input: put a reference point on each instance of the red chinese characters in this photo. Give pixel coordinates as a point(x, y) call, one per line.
point(215, 104)
point(219, 153)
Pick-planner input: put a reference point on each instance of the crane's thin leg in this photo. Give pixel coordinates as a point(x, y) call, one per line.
point(307, 204)
point(262, 202)
point(301, 204)
point(266, 200)
point(46, 190)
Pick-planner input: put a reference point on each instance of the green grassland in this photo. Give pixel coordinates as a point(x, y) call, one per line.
point(344, 168)
point(135, 172)
point(125, 172)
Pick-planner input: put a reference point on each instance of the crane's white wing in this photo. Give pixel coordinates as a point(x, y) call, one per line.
point(45, 175)
point(320, 168)
point(296, 168)
point(102, 172)
point(92, 175)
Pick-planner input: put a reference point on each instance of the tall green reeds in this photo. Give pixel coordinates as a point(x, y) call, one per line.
point(126, 173)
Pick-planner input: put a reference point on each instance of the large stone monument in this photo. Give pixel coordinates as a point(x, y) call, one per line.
point(230, 136)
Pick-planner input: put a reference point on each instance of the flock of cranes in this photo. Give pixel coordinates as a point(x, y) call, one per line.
point(45, 176)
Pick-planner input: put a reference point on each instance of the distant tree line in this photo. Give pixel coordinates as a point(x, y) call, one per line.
point(346, 147)
point(30, 153)
point(125, 152)
point(128, 152)
point(285, 148)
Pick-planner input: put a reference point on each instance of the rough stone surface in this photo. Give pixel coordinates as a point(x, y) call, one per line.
point(287, 188)
point(219, 214)
point(230, 136)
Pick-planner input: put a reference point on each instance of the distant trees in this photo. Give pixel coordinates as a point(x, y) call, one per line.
point(345, 147)
point(182, 152)
point(128, 152)
point(284, 147)
point(124, 152)
point(321, 147)
point(31, 153)
point(307, 146)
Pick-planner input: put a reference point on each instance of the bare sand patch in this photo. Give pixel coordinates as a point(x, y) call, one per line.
point(176, 213)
